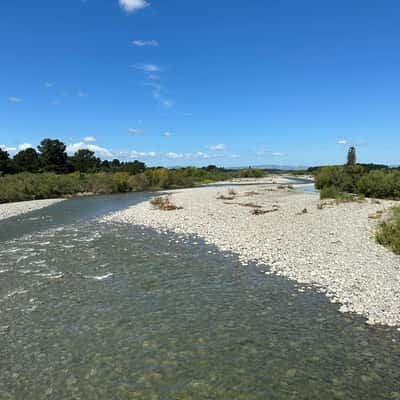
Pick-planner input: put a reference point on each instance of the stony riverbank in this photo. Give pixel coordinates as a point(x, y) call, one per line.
point(331, 248)
point(12, 209)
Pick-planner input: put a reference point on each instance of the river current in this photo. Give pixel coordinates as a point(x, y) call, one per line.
point(92, 310)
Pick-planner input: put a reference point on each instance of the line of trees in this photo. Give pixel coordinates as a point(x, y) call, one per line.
point(370, 180)
point(52, 157)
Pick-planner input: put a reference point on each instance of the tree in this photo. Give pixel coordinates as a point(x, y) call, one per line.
point(4, 162)
point(133, 168)
point(85, 161)
point(53, 156)
point(27, 160)
point(351, 156)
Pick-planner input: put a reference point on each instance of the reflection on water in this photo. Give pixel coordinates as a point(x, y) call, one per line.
point(103, 311)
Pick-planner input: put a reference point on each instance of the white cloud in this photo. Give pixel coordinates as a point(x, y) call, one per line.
point(136, 131)
point(175, 156)
point(56, 103)
point(343, 142)
point(168, 134)
point(269, 153)
point(13, 99)
point(131, 6)
point(158, 95)
point(143, 43)
point(147, 67)
point(82, 94)
point(132, 155)
point(6, 148)
point(48, 85)
point(89, 139)
point(100, 151)
point(217, 147)
point(24, 146)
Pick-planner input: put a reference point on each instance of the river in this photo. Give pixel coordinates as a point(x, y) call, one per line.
point(91, 310)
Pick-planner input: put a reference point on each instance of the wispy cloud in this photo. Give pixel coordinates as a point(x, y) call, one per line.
point(131, 6)
point(143, 43)
point(168, 134)
point(158, 94)
point(14, 99)
point(48, 85)
point(217, 147)
point(190, 156)
point(24, 146)
point(269, 153)
point(88, 139)
point(81, 93)
point(343, 142)
point(147, 67)
point(136, 131)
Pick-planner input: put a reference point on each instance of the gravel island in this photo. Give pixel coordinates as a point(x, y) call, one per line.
point(318, 244)
point(9, 210)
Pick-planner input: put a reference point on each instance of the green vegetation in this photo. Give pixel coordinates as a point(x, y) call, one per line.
point(388, 233)
point(368, 180)
point(50, 172)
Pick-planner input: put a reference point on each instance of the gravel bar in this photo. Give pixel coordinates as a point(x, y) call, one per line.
point(12, 209)
point(332, 248)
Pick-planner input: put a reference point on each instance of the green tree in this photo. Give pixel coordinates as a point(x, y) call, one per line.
point(27, 161)
point(133, 168)
point(84, 160)
point(53, 156)
point(351, 156)
point(4, 162)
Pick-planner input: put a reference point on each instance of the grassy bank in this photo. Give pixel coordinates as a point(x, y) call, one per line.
point(30, 186)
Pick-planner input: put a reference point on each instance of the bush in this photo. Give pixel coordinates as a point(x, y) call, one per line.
point(388, 233)
point(357, 179)
point(328, 192)
point(164, 203)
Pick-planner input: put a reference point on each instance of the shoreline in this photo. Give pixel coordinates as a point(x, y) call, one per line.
point(8, 210)
point(331, 249)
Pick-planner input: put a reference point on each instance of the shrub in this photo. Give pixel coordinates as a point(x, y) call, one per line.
point(328, 192)
point(388, 232)
point(164, 203)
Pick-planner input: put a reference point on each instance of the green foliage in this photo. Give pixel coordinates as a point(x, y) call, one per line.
point(329, 192)
point(26, 161)
point(53, 156)
point(251, 173)
point(4, 162)
point(379, 183)
point(85, 161)
point(388, 233)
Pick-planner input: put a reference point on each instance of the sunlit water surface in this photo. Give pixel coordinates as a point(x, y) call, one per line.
point(106, 311)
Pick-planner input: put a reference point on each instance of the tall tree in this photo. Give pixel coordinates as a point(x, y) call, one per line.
point(351, 156)
point(4, 162)
point(53, 156)
point(85, 161)
point(26, 160)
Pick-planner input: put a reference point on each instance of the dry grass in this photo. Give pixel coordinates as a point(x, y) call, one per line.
point(164, 204)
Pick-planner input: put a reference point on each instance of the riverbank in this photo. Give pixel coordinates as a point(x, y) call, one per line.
point(9, 210)
point(331, 248)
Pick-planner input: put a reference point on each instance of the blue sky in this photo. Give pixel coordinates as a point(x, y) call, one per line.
point(174, 82)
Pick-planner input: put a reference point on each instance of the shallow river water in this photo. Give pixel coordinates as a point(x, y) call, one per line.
point(90, 310)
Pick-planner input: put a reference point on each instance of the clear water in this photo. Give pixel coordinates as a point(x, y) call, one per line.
point(107, 311)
